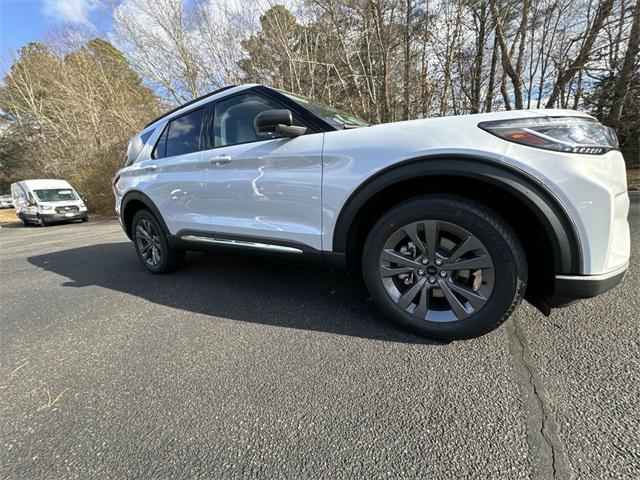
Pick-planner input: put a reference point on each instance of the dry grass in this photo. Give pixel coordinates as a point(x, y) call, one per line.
point(8, 216)
point(633, 179)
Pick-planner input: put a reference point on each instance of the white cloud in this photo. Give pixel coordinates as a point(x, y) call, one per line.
point(68, 11)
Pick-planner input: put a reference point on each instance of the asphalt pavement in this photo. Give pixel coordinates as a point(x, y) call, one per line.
point(236, 368)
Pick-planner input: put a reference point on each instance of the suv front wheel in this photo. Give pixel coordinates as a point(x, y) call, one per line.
point(152, 246)
point(445, 267)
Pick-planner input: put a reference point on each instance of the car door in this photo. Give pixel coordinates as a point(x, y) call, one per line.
point(173, 176)
point(262, 187)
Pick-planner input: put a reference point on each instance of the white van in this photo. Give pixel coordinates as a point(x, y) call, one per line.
point(47, 201)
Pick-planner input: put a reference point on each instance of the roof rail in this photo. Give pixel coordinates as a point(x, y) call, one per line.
point(190, 102)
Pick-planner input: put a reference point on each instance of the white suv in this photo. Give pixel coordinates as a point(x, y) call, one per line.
point(451, 220)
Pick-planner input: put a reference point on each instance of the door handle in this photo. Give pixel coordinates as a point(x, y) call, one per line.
point(220, 160)
point(150, 168)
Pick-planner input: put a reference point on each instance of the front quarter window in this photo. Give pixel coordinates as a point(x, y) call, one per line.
point(234, 118)
point(333, 116)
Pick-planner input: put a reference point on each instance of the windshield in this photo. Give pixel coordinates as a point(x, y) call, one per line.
point(329, 114)
point(56, 195)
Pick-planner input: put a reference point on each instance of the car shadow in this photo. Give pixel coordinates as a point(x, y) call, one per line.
point(239, 288)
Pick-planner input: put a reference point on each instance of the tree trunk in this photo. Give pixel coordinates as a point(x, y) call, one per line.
point(565, 77)
point(492, 76)
point(477, 74)
point(407, 59)
point(513, 73)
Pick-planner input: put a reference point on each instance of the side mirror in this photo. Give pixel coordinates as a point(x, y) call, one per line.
point(277, 123)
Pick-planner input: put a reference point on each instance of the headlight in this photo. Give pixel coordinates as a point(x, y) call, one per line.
point(46, 207)
point(562, 134)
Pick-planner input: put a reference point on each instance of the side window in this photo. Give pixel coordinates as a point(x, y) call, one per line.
point(135, 147)
point(145, 136)
point(180, 136)
point(184, 134)
point(233, 119)
point(160, 149)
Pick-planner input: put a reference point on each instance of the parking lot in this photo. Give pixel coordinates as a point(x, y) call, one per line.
point(242, 368)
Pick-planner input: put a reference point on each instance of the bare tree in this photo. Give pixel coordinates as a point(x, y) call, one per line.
point(566, 75)
point(624, 79)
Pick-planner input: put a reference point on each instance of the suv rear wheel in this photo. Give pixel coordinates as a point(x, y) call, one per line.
point(444, 266)
point(152, 245)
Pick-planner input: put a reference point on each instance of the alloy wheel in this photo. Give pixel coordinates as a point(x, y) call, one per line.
point(436, 271)
point(148, 242)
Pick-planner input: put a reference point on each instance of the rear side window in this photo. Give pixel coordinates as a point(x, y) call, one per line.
point(161, 147)
point(181, 136)
point(145, 136)
point(135, 147)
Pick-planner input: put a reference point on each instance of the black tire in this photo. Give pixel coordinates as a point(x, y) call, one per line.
point(170, 259)
point(42, 222)
point(86, 219)
point(508, 270)
point(23, 220)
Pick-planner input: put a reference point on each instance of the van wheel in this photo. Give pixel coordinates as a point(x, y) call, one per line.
point(42, 222)
point(23, 220)
point(152, 245)
point(445, 267)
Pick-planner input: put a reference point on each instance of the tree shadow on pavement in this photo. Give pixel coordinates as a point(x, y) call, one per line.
point(239, 288)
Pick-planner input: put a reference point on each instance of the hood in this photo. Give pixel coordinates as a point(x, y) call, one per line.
point(508, 114)
point(448, 126)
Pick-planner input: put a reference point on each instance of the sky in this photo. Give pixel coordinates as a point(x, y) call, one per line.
point(23, 21)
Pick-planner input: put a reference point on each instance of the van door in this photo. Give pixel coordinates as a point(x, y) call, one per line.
point(30, 210)
point(19, 199)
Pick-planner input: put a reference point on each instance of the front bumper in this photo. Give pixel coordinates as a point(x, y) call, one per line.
point(569, 288)
point(62, 217)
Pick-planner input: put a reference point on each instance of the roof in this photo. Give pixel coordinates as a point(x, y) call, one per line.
point(196, 100)
point(44, 183)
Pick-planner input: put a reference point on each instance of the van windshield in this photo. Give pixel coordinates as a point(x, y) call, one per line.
point(56, 195)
